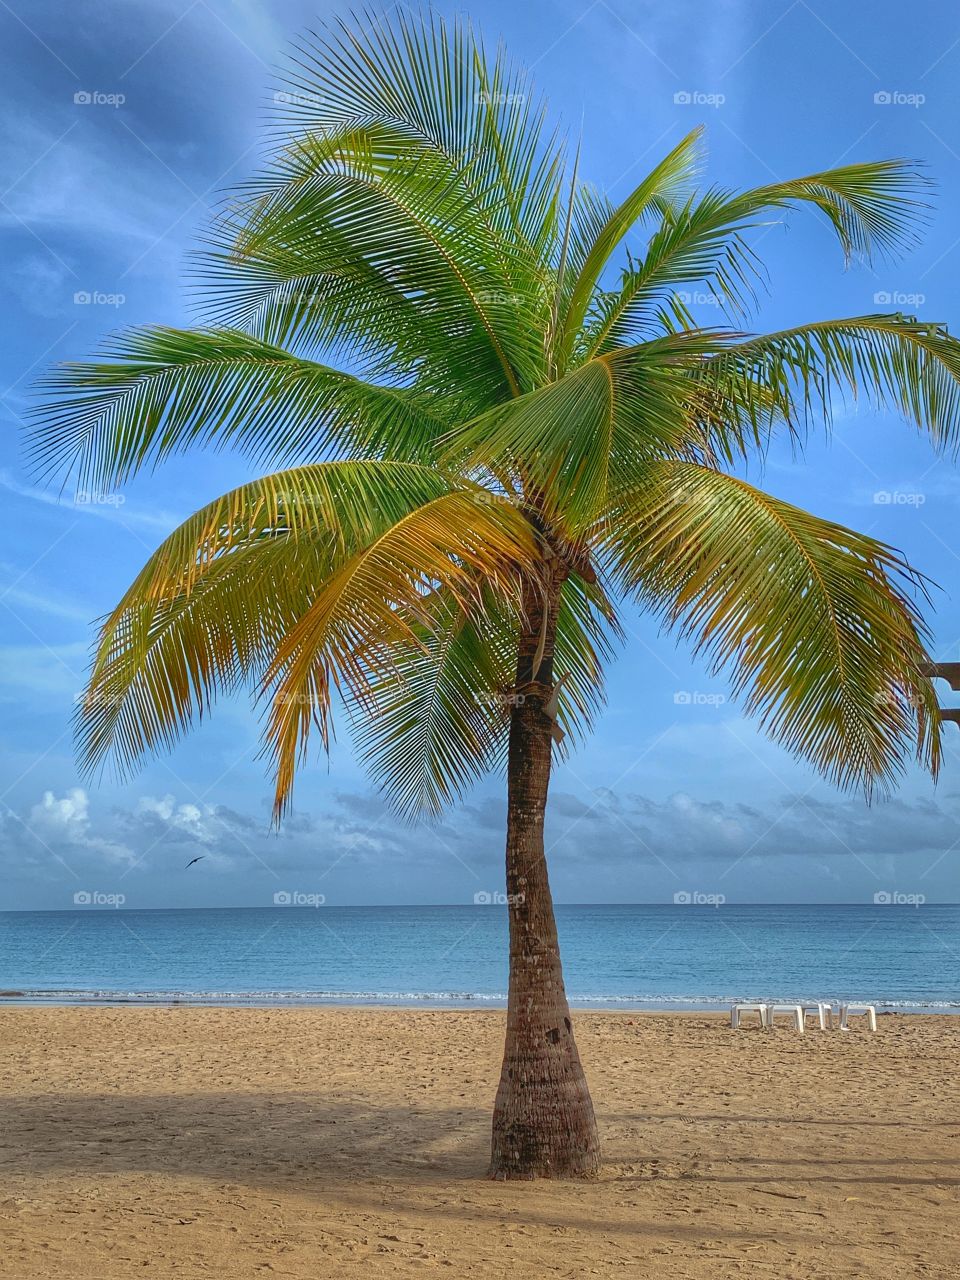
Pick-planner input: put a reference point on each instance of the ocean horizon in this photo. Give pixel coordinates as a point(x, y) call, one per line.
point(623, 956)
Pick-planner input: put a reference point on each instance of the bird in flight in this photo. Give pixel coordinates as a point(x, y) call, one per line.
point(193, 860)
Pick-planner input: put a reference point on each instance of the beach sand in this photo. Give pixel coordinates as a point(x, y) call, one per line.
point(352, 1142)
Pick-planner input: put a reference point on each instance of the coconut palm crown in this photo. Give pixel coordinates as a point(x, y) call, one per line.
point(489, 419)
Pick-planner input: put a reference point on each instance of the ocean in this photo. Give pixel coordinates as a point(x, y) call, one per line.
point(677, 956)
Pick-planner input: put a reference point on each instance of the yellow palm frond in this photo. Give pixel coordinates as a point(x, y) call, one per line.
point(230, 595)
point(376, 598)
point(816, 624)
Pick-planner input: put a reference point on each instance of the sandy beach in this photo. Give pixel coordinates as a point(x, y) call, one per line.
point(329, 1142)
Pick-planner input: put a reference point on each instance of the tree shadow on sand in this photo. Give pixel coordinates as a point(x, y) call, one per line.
point(343, 1153)
point(282, 1140)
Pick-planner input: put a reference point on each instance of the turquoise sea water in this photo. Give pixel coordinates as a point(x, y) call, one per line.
point(617, 956)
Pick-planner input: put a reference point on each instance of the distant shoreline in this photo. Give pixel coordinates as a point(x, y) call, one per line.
point(424, 1001)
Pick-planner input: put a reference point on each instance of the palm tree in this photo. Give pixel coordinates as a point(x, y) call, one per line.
point(510, 441)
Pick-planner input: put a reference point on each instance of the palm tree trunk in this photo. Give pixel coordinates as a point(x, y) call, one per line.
point(543, 1121)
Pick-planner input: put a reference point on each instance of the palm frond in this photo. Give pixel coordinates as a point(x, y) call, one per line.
point(432, 79)
point(660, 187)
point(588, 632)
point(435, 717)
point(387, 252)
point(575, 441)
point(162, 662)
point(817, 625)
point(166, 390)
point(873, 208)
point(374, 600)
point(395, 226)
point(219, 599)
point(890, 360)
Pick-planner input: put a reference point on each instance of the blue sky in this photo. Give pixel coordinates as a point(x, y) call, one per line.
point(125, 122)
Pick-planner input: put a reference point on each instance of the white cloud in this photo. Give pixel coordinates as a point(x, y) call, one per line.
point(64, 826)
point(192, 822)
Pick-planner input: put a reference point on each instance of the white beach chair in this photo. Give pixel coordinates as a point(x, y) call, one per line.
point(869, 1011)
point(794, 1010)
point(737, 1010)
point(822, 1010)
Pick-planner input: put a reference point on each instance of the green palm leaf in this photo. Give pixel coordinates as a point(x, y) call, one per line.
point(892, 361)
point(872, 208)
point(660, 187)
point(436, 716)
point(167, 390)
